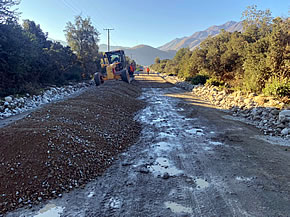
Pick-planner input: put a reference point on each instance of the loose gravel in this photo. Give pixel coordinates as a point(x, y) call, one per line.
point(66, 144)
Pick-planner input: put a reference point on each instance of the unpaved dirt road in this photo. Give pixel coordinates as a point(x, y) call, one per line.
point(190, 160)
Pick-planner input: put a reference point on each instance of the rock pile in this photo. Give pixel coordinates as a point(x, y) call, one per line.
point(185, 85)
point(15, 105)
point(263, 112)
point(178, 82)
point(267, 113)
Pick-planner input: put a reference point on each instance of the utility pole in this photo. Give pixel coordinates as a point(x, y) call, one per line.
point(108, 38)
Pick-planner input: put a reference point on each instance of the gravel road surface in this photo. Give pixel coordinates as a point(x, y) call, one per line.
point(190, 159)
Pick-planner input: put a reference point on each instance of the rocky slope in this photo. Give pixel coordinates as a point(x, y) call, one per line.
point(12, 105)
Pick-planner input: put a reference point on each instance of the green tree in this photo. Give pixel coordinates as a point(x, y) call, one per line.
point(197, 62)
point(83, 37)
point(180, 54)
point(256, 70)
point(258, 20)
point(267, 56)
point(35, 33)
point(157, 60)
point(278, 55)
point(171, 67)
point(62, 65)
point(17, 59)
point(184, 63)
point(7, 15)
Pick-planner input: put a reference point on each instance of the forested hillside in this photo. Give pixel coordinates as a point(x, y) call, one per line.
point(29, 61)
point(257, 60)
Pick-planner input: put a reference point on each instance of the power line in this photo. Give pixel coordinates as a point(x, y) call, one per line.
point(74, 10)
point(77, 9)
point(108, 37)
point(98, 24)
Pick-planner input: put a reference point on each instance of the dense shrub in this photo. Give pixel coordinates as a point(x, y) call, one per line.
point(277, 87)
point(214, 82)
point(199, 79)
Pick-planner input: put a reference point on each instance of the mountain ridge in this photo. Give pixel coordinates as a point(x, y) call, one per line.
point(196, 38)
point(145, 54)
point(104, 48)
point(142, 54)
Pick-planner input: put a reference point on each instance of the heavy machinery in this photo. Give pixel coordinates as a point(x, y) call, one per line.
point(114, 67)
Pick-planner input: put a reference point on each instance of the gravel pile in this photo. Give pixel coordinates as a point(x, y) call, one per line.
point(11, 105)
point(66, 144)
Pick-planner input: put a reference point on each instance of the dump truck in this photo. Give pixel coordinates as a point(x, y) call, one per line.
point(114, 67)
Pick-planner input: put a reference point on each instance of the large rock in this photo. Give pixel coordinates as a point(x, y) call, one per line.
point(8, 99)
point(284, 115)
point(251, 95)
point(274, 111)
point(260, 99)
point(285, 131)
point(21, 100)
point(248, 101)
point(271, 103)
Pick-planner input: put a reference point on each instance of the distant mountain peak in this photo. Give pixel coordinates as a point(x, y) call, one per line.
point(140, 46)
point(196, 38)
point(143, 54)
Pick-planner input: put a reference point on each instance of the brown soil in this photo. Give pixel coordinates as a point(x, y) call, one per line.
point(66, 144)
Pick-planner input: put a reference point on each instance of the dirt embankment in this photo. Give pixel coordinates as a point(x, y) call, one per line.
point(66, 144)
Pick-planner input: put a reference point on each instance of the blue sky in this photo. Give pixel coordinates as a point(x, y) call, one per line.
point(151, 22)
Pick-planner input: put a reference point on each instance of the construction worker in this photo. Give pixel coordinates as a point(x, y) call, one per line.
point(131, 69)
point(148, 70)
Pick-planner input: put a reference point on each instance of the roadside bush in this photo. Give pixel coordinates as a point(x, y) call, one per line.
point(214, 82)
point(277, 87)
point(188, 79)
point(199, 79)
point(74, 73)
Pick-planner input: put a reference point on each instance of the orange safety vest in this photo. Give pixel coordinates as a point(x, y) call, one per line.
point(147, 69)
point(131, 68)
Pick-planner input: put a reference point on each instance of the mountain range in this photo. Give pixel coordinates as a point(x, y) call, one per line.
point(145, 55)
point(104, 48)
point(142, 54)
point(194, 40)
